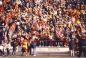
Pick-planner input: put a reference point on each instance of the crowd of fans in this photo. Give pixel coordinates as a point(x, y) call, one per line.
point(46, 22)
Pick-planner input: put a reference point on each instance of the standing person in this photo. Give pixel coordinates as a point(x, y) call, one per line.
point(4, 44)
point(72, 44)
point(82, 46)
point(32, 48)
point(33, 44)
point(13, 44)
point(25, 47)
point(72, 47)
point(8, 48)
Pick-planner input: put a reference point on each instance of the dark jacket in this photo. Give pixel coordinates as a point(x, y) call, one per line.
point(82, 42)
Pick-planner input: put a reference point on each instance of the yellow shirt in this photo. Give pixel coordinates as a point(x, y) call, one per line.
point(24, 44)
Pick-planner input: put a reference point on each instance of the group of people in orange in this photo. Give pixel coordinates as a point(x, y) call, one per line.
point(37, 19)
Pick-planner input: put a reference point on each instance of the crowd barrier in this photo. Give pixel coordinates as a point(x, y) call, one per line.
point(52, 50)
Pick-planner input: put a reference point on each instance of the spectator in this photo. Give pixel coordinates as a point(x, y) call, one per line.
point(32, 48)
point(14, 45)
point(82, 46)
point(24, 47)
point(37, 19)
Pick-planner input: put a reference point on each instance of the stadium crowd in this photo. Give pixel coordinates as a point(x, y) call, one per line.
point(31, 23)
